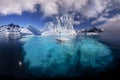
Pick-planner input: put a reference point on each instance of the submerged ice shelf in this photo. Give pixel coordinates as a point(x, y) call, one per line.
point(94, 54)
point(47, 57)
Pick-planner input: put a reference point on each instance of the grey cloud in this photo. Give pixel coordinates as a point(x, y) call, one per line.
point(88, 8)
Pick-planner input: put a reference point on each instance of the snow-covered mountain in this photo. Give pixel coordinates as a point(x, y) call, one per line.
point(13, 29)
point(10, 28)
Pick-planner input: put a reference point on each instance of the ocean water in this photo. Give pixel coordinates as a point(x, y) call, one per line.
point(35, 57)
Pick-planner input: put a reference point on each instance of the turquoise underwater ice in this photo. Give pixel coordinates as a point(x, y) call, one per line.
point(47, 57)
point(94, 54)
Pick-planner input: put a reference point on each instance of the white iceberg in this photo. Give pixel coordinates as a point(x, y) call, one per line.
point(62, 26)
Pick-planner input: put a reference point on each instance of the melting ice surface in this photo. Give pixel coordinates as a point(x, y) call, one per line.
point(47, 57)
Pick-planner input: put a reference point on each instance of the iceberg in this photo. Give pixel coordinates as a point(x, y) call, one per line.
point(62, 26)
point(44, 56)
point(33, 30)
point(94, 54)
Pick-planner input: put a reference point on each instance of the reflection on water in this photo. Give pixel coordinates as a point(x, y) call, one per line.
point(9, 38)
point(47, 57)
point(10, 55)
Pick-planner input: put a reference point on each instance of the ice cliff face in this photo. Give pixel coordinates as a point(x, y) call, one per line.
point(62, 25)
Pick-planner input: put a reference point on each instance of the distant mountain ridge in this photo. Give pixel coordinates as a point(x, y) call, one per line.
point(30, 30)
point(10, 28)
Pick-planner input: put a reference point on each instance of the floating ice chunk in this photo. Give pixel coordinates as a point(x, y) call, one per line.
point(94, 54)
point(92, 33)
point(62, 39)
point(33, 30)
point(20, 63)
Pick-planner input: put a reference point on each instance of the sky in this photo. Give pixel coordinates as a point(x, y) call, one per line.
point(37, 12)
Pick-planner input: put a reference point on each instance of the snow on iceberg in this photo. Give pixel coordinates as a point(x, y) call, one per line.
point(62, 26)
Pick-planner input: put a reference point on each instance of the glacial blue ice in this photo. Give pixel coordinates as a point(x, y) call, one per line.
point(47, 57)
point(50, 56)
point(94, 54)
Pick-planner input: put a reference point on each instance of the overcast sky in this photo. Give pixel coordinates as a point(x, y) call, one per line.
point(38, 12)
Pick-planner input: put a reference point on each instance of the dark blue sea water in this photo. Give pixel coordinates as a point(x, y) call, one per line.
point(36, 57)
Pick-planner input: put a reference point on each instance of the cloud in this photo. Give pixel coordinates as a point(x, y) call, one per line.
point(77, 22)
point(88, 8)
point(8, 7)
point(106, 16)
point(66, 6)
point(52, 6)
point(95, 7)
point(114, 19)
point(16, 6)
point(100, 19)
point(48, 7)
